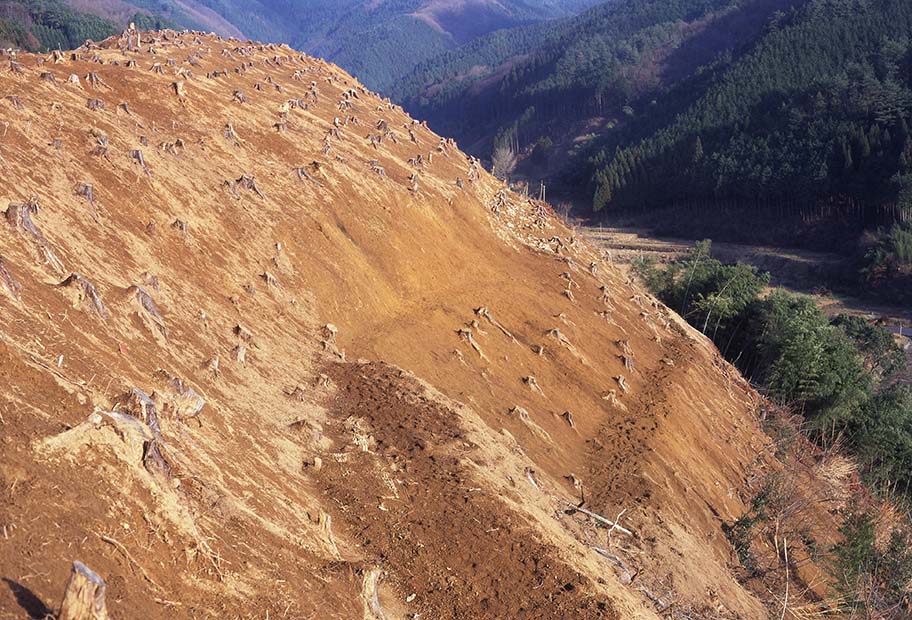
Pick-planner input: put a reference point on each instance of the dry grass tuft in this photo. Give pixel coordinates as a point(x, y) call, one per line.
point(889, 518)
point(838, 473)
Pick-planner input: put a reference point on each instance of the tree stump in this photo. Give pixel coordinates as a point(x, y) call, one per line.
point(84, 598)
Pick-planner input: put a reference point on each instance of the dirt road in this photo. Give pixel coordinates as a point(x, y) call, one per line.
point(801, 271)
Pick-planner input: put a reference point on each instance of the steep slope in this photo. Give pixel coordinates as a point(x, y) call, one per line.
point(270, 347)
point(542, 78)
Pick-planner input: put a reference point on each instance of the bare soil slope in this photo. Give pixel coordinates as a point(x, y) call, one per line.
point(409, 375)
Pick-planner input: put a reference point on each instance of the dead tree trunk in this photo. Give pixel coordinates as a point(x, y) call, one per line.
point(84, 598)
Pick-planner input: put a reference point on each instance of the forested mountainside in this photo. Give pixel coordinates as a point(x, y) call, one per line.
point(787, 107)
point(48, 25)
point(382, 41)
point(41, 25)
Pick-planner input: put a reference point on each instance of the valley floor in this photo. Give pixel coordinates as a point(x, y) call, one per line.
point(796, 270)
point(792, 269)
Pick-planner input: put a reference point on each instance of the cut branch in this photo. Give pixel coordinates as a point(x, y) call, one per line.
point(612, 524)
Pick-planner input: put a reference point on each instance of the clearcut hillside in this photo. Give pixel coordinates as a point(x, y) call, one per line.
point(269, 346)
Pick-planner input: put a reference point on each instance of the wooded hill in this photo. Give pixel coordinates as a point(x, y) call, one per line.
point(787, 108)
point(42, 25)
point(380, 42)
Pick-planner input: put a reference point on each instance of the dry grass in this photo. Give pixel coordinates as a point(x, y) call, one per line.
point(837, 472)
point(889, 518)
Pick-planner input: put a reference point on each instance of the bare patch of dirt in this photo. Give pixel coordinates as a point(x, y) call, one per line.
point(409, 502)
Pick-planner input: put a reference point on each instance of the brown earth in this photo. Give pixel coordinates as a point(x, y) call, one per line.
point(351, 435)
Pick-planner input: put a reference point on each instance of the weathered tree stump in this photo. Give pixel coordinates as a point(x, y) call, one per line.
point(144, 299)
point(138, 404)
point(248, 182)
point(93, 79)
point(85, 290)
point(138, 156)
point(19, 216)
point(84, 598)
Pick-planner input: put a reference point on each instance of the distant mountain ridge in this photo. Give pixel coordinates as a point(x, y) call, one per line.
point(380, 42)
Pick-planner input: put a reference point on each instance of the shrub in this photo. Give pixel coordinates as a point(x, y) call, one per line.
point(874, 583)
point(881, 435)
point(804, 361)
point(882, 356)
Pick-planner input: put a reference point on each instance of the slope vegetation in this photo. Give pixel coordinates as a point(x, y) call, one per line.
point(271, 347)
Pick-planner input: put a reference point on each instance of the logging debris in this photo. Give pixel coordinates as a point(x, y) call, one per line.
point(19, 216)
point(613, 525)
point(85, 290)
point(139, 405)
point(248, 182)
point(84, 597)
point(376, 167)
point(526, 419)
point(303, 173)
point(466, 334)
point(231, 134)
point(146, 302)
point(185, 402)
point(484, 313)
point(93, 79)
point(270, 279)
point(7, 280)
point(243, 333)
point(137, 155)
point(370, 595)
point(532, 382)
point(622, 382)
